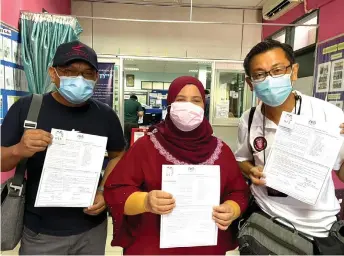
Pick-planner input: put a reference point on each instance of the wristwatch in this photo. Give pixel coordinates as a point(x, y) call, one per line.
point(100, 189)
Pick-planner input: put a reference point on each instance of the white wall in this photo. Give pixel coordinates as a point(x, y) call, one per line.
point(304, 85)
point(228, 134)
point(166, 39)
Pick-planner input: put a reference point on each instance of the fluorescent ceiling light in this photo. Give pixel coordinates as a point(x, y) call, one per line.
point(193, 71)
point(132, 69)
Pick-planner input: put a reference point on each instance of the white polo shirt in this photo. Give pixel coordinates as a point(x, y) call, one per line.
point(312, 220)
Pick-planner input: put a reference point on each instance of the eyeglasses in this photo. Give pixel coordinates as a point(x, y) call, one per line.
point(88, 74)
point(275, 72)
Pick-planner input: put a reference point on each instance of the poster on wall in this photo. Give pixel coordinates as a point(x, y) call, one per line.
point(338, 104)
point(146, 85)
point(323, 78)
point(15, 52)
point(104, 86)
point(1, 48)
point(9, 83)
point(130, 80)
point(329, 71)
point(7, 48)
point(13, 83)
point(222, 109)
point(337, 81)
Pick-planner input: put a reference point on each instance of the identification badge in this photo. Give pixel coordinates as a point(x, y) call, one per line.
point(260, 143)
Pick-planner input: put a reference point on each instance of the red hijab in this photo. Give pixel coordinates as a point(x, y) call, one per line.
point(192, 147)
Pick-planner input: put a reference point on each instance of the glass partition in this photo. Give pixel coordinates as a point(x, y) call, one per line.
point(230, 94)
point(150, 78)
point(225, 81)
point(305, 36)
point(116, 94)
point(280, 36)
point(230, 97)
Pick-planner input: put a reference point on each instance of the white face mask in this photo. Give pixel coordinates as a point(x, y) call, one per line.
point(186, 116)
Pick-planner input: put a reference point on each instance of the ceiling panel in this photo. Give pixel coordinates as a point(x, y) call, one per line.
point(201, 3)
point(175, 67)
point(227, 3)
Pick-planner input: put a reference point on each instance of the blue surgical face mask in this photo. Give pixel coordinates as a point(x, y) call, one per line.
point(76, 90)
point(274, 91)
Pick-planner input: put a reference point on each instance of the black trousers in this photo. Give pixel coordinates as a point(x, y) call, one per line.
point(127, 132)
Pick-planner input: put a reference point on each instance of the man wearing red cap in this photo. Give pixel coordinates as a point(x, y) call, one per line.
point(62, 230)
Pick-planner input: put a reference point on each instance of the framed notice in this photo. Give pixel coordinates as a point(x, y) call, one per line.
point(130, 80)
point(167, 86)
point(158, 85)
point(338, 104)
point(323, 77)
point(146, 85)
point(337, 81)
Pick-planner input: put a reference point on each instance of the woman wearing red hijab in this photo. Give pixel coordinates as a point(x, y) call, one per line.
point(133, 189)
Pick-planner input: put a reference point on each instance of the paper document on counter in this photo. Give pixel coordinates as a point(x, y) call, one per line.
point(196, 189)
point(71, 170)
point(302, 156)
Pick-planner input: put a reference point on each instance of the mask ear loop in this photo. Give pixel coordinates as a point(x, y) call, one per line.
point(57, 73)
point(57, 88)
point(291, 75)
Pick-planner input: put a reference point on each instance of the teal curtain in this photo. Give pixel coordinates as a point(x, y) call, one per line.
point(41, 34)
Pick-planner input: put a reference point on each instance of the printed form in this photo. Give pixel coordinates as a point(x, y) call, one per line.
point(196, 189)
point(71, 170)
point(302, 156)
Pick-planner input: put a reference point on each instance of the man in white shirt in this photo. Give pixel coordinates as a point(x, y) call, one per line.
point(271, 69)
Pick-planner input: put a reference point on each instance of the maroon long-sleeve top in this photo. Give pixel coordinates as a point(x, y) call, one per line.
point(141, 170)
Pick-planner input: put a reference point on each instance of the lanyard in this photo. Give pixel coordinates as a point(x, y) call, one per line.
point(297, 98)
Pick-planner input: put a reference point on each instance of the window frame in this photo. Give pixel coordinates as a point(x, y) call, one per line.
point(293, 30)
point(290, 33)
point(278, 33)
point(227, 121)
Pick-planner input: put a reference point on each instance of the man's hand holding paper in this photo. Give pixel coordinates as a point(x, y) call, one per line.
point(71, 172)
point(98, 206)
point(32, 141)
point(257, 175)
point(302, 157)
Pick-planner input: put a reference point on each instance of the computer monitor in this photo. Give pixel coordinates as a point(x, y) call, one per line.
point(147, 119)
point(156, 118)
point(151, 119)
